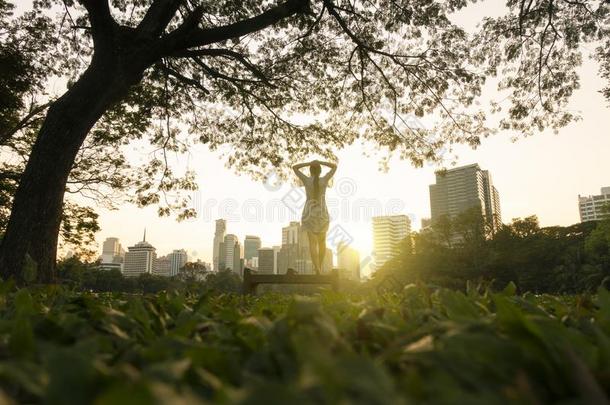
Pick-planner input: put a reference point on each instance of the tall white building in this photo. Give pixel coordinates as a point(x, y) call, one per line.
point(178, 259)
point(139, 259)
point(162, 266)
point(229, 254)
point(219, 236)
point(592, 207)
point(462, 188)
point(388, 232)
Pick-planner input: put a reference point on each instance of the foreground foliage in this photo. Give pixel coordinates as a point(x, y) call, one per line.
point(420, 345)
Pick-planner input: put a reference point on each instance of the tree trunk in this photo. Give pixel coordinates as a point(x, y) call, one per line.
point(32, 231)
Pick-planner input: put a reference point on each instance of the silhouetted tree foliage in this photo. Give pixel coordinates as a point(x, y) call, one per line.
point(278, 80)
point(553, 259)
point(86, 276)
point(193, 271)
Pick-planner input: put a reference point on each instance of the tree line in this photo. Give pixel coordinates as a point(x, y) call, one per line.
point(555, 259)
point(87, 276)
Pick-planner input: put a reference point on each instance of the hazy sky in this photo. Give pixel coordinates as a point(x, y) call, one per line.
point(541, 175)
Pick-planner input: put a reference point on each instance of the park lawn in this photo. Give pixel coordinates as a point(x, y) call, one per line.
point(423, 345)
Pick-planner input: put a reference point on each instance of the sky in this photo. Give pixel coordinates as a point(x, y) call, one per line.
point(540, 175)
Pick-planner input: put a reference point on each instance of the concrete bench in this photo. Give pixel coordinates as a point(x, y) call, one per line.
point(252, 280)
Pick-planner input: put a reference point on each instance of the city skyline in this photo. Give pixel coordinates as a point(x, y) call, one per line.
point(274, 226)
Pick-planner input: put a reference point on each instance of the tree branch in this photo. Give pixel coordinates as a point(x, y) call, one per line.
point(158, 16)
point(102, 23)
point(23, 123)
point(183, 79)
point(182, 39)
point(229, 54)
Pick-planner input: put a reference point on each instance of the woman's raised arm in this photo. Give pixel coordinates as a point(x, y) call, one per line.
point(333, 169)
point(297, 170)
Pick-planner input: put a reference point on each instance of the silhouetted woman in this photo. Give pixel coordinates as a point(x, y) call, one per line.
point(314, 219)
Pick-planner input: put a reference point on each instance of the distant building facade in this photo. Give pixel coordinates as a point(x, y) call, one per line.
point(219, 236)
point(112, 253)
point(348, 262)
point(177, 259)
point(230, 254)
point(251, 245)
point(266, 261)
point(163, 266)
point(110, 266)
point(139, 259)
point(294, 252)
point(460, 189)
point(388, 232)
point(593, 207)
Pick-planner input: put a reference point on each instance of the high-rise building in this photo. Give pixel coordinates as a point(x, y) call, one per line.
point(291, 234)
point(251, 245)
point(178, 259)
point(163, 266)
point(266, 261)
point(294, 252)
point(139, 259)
point(229, 254)
point(348, 261)
point(219, 236)
point(594, 207)
point(462, 188)
point(112, 252)
point(111, 246)
point(388, 232)
point(276, 259)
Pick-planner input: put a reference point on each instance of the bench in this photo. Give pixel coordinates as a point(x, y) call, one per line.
point(252, 280)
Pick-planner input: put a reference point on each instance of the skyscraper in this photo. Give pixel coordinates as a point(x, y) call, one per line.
point(388, 232)
point(294, 253)
point(269, 260)
point(219, 235)
point(178, 259)
point(112, 252)
point(460, 189)
point(251, 245)
point(139, 259)
point(230, 254)
point(592, 208)
point(348, 261)
point(163, 266)
point(266, 261)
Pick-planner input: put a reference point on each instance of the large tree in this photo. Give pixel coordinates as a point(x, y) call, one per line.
point(277, 80)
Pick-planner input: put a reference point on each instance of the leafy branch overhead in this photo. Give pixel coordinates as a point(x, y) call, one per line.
point(264, 77)
point(278, 81)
